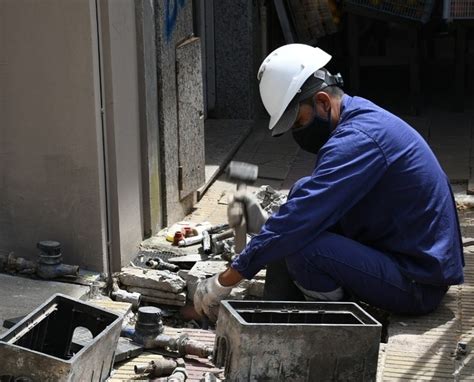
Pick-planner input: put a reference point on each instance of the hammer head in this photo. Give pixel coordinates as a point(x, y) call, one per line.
point(242, 172)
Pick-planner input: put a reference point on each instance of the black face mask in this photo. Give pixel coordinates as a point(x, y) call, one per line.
point(312, 136)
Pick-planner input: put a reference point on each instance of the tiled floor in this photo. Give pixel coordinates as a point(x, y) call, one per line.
point(195, 367)
point(423, 348)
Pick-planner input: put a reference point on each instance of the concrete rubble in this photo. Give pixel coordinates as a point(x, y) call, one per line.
point(270, 199)
point(156, 286)
point(153, 279)
point(200, 271)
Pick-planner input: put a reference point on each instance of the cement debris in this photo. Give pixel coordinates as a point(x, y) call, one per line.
point(270, 199)
point(158, 293)
point(165, 301)
point(200, 271)
point(153, 279)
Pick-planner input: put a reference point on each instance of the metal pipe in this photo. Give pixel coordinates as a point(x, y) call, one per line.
point(124, 295)
point(182, 345)
point(49, 266)
point(179, 375)
point(190, 241)
point(10, 263)
point(157, 263)
point(221, 236)
point(50, 271)
point(148, 332)
point(160, 368)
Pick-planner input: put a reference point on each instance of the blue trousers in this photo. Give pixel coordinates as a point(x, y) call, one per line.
point(333, 261)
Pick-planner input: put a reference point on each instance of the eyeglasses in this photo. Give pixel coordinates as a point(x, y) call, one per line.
point(304, 116)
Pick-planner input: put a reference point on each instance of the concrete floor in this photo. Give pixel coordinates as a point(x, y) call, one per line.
point(21, 295)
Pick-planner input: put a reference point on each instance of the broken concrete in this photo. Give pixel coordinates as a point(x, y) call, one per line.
point(253, 288)
point(270, 199)
point(165, 301)
point(147, 292)
point(201, 271)
point(205, 269)
point(152, 279)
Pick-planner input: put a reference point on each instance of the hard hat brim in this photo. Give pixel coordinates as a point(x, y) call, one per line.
point(286, 121)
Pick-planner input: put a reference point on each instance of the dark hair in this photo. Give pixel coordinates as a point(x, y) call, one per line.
point(334, 91)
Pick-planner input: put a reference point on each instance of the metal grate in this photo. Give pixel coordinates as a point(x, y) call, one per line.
point(415, 10)
point(458, 9)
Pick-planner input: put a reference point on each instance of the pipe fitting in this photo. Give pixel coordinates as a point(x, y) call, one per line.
point(148, 332)
point(185, 345)
point(159, 368)
point(179, 375)
point(123, 295)
point(11, 264)
point(46, 271)
point(157, 263)
point(49, 266)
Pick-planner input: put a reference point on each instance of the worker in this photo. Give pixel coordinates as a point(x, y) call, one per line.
point(376, 219)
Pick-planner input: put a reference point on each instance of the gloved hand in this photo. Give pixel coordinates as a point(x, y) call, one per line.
point(244, 204)
point(208, 295)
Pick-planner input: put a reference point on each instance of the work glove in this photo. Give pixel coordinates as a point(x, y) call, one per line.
point(208, 295)
point(244, 204)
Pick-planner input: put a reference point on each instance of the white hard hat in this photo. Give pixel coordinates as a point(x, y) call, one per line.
point(281, 76)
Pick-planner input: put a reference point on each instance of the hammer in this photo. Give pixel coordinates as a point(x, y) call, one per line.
point(242, 173)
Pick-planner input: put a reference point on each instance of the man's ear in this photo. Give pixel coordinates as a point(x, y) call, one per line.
point(323, 99)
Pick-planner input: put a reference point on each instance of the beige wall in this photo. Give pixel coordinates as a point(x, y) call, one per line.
point(52, 183)
point(119, 64)
point(50, 148)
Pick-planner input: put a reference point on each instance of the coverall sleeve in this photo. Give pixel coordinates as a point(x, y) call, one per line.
point(348, 166)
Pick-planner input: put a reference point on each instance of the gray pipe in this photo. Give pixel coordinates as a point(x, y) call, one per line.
point(123, 295)
point(51, 271)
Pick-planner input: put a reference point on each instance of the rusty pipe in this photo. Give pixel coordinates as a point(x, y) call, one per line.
point(179, 375)
point(159, 368)
point(182, 345)
point(9, 263)
point(185, 345)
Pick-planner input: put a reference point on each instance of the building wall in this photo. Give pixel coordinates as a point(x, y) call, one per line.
point(237, 58)
point(70, 130)
point(174, 24)
point(118, 34)
point(149, 128)
point(51, 168)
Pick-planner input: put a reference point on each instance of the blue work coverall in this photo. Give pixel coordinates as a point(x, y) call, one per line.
point(376, 217)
